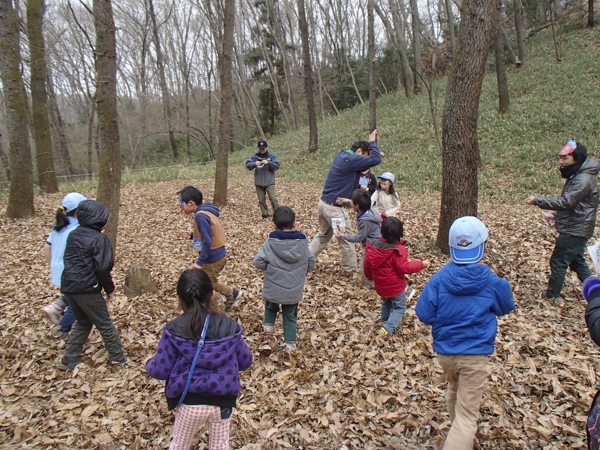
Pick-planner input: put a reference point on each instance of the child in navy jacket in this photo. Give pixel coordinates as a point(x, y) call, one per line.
point(215, 386)
point(461, 302)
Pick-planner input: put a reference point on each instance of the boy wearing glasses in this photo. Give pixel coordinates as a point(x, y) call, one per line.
point(209, 239)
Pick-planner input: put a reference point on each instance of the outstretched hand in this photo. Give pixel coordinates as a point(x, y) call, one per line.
point(530, 200)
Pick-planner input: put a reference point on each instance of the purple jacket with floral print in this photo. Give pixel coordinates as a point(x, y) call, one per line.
point(216, 379)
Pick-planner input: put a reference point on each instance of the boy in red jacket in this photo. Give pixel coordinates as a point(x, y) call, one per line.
point(386, 263)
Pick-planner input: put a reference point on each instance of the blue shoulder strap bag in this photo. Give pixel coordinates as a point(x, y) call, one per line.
point(195, 360)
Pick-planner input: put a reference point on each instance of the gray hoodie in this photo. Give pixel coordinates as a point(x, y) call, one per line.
point(286, 259)
point(576, 207)
point(369, 228)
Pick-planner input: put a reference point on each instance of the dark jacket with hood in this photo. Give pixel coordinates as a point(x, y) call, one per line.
point(576, 207)
point(461, 302)
point(88, 254)
point(216, 379)
point(369, 227)
point(386, 264)
point(285, 258)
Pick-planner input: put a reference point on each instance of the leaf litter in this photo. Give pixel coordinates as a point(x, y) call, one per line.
point(346, 388)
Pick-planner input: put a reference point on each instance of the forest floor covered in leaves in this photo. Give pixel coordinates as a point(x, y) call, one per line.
point(345, 389)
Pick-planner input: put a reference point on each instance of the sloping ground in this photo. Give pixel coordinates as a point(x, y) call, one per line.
point(345, 390)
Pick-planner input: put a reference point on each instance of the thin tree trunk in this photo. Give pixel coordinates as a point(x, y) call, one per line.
point(244, 86)
point(407, 77)
point(354, 81)
point(20, 194)
point(416, 35)
point(460, 147)
point(590, 22)
point(275, 84)
point(90, 143)
point(4, 158)
point(372, 67)
point(520, 32)
point(226, 126)
point(163, 82)
point(313, 139)
point(109, 184)
point(508, 45)
point(58, 129)
point(503, 99)
point(450, 15)
point(39, 97)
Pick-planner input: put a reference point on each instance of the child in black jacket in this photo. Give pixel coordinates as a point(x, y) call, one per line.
point(88, 261)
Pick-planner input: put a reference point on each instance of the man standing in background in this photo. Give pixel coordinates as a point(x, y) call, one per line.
point(264, 163)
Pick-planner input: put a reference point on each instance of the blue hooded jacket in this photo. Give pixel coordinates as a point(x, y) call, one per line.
point(461, 302)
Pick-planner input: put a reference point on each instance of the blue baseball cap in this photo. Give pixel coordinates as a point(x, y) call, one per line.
point(72, 201)
point(387, 176)
point(466, 239)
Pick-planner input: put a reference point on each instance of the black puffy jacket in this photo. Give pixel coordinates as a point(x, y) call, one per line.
point(88, 255)
point(577, 205)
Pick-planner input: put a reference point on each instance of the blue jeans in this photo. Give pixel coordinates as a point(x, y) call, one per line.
point(392, 310)
point(68, 318)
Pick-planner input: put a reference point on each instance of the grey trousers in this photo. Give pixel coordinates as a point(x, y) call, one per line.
point(262, 192)
point(91, 309)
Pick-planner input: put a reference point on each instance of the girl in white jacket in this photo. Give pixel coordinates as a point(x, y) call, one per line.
point(385, 200)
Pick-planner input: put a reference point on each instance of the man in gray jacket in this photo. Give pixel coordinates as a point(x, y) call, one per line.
point(264, 164)
point(286, 259)
point(575, 216)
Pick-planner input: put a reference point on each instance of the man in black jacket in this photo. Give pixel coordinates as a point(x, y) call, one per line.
point(575, 216)
point(88, 262)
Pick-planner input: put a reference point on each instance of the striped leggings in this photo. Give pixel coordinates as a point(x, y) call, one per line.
point(190, 418)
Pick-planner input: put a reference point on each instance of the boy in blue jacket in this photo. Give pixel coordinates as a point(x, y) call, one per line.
point(461, 302)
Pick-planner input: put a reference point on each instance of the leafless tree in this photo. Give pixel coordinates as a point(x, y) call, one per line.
point(460, 146)
point(20, 195)
point(313, 140)
point(503, 99)
point(520, 30)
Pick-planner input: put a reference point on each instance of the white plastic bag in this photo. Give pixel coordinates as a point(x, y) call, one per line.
point(594, 251)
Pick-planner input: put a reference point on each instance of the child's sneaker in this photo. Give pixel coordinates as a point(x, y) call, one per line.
point(65, 364)
point(410, 293)
point(232, 299)
point(290, 347)
point(123, 362)
point(52, 313)
point(265, 347)
point(383, 332)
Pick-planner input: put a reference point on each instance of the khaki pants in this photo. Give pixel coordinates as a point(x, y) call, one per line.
point(466, 375)
point(213, 270)
point(262, 192)
point(319, 242)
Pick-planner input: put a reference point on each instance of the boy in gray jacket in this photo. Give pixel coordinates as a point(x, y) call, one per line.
point(264, 163)
point(369, 225)
point(286, 259)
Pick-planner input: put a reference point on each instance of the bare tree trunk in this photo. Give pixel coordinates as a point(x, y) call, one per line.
point(372, 67)
point(520, 32)
point(109, 184)
point(4, 158)
point(39, 97)
point(90, 143)
point(225, 127)
point(20, 194)
point(407, 77)
point(450, 15)
point(244, 86)
point(58, 129)
point(163, 82)
point(313, 139)
point(503, 99)
point(590, 22)
point(460, 147)
point(511, 52)
point(416, 35)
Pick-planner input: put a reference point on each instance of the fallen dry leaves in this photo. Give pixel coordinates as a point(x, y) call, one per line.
point(344, 389)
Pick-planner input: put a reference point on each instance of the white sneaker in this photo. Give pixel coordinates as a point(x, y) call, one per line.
point(52, 313)
point(410, 293)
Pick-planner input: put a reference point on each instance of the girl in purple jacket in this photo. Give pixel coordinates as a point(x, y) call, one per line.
point(215, 385)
